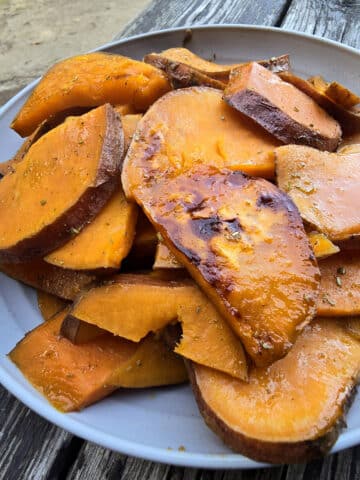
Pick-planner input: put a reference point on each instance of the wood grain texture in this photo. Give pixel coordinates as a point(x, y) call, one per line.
point(30, 447)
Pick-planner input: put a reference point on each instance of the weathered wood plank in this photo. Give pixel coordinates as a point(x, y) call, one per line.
point(30, 446)
point(335, 19)
point(177, 13)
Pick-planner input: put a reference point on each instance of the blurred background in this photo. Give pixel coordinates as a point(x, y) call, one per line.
point(36, 33)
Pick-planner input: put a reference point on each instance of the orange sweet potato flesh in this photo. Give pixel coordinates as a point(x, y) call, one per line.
point(74, 376)
point(292, 411)
point(321, 245)
point(129, 124)
point(66, 284)
point(340, 285)
point(137, 305)
point(324, 186)
point(105, 242)
point(243, 241)
point(64, 180)
point(90, 80)
point(349, 119)
point(194, 126)
point(49, 305)
point(164, 258)
point(279, 107)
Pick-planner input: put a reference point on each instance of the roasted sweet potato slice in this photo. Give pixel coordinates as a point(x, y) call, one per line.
point(90, 80)
point(292, 411)
point(104, 243)
point(137, 305)
point(349, 119)
point(194, 126)
point(243, 241)
point(324, 186)
point(340, 285)
point(129, 124)
point(280, 108)
point(74, 376)
point(61, 184)
point(321, 245)
point(66, 284)
point(164, 258)
point(336, 92)
point(50, 305)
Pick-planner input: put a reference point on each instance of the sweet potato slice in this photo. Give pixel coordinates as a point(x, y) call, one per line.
point(349, 119)
point(243, 241)
point(292, 411)
point(194, 126)
point(129, 124)
point(324, 186)
point(104, 243)
point(340, 285)
point(280, 108)
point(137, 305)
point(62, 183)
point(90, 80)
point(74, 376)
point(49, 305)
point(164, 258)
point(66, 284)
point(336, 92)
point(321, 245)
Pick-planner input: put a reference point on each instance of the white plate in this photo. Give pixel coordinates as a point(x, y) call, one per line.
point(153, 424)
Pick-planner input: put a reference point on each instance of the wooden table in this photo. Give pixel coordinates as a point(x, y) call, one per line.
point(32, 448)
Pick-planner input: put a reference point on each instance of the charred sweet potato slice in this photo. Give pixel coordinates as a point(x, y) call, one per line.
point(292, 411)
point(66, 284)
point(340, 285)
point(49, 305)
point(243, 241)
point(280, 108)
point(91, 80)
point(321, 245)
point(137, 305)
point(349, 119)
point(194, 126)
point(104, 243)
point(164, 258)
point(66, 177)
point(74, 376)
point(324, 186)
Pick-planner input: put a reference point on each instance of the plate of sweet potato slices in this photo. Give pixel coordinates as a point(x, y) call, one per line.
point(180, 249)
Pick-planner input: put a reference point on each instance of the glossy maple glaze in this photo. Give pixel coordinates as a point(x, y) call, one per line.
point(136, 305)
point(324, 186)
point(88, 81)
point(282, 409)
point(244, 243)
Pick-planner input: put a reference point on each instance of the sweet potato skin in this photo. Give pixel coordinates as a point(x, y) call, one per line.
point(340, 285)
point(66, 284)
point(225, 228)
point(40, 234)
point(91, 80)
point(324, 346)
point(286, 113)
point(324, 186)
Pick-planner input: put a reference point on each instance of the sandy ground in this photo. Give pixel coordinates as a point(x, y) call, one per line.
point(36, 33)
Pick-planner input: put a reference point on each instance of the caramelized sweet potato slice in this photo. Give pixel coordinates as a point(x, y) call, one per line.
point(90, 80)
point(324, 186)
point(292, 411)
point(164, 258)
point(74, 376)
point(136, 305)
point(321, 245)
point(62, 183)
point(243, 241)
point(280, 108)
point(66, 284)
point(341, 95)
point(129, 124)
point(340, 285)
point(194, 126)
point(349, 119)
point(104, 243)
point(50, 305)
